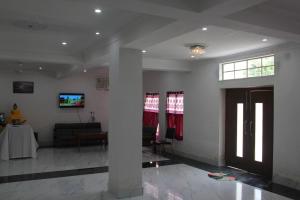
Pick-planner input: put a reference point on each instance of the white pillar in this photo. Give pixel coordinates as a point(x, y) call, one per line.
point(125, 123)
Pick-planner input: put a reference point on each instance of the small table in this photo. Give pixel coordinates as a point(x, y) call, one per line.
point(102, 136)
point(17, 141)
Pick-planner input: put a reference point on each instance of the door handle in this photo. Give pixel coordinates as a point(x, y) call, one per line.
point(245, 127)
point(250, 126)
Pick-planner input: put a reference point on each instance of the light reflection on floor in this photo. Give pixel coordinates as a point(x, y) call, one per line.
point(172, 182)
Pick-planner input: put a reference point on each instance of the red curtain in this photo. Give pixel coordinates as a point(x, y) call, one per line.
point(150, 119)
point(175, 106)
point(151, 110)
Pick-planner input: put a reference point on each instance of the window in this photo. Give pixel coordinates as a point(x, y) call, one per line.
point(151, 102)
point(240, 130)
point(174, 111)
point(258, 132)
point(255, 67)
point(151, 111)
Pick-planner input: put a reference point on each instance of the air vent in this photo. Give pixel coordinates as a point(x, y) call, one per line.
point(30, 25)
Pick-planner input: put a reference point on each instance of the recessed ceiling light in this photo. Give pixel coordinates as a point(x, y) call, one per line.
point(204, 29)
point(40, 68)
point(64, 43)
point(264, 40)
point(97, 33)
point(85, 70)
point(98, 10)
point(144, 51)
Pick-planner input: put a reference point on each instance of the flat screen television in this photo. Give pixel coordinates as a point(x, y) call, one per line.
point(71, 100)
point(2, 118)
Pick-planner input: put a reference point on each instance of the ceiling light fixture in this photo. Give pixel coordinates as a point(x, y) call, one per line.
point(40, 68)
point(264, 40)
point(192, 56)
point(64, 43)
point(204, 29)
point(97, 33)
point(197, 49)
point(144, 51)
point(98, 10)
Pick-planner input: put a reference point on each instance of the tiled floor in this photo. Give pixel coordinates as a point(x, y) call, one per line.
point(60, 159)
point(173, 182)
point(242, 176)
point(69, 174)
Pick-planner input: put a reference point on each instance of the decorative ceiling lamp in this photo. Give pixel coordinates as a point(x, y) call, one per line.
point(197, 49)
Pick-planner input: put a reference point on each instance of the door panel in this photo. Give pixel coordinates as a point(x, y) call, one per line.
point(261, 115)
point(249, 129)
point(235, 100)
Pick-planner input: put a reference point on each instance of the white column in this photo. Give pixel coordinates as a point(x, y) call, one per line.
point(125, 123)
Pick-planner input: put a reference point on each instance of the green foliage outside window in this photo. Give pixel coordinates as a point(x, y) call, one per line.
point(256, 67)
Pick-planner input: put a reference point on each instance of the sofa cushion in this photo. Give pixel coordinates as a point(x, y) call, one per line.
point(65, 133)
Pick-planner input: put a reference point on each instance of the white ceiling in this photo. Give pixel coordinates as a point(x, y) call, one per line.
point(65, 20)
point(280, 14)
point(218, 41)
point(162, 27)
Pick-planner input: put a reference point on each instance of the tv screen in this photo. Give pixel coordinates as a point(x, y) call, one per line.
point(68, 100)
point(2, 118)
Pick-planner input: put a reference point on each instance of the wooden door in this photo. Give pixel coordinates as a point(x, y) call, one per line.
point(249, 129)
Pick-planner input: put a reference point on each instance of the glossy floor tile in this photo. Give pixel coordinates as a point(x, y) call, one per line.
point(254, 180)
point(60, 159)
point(173, 182)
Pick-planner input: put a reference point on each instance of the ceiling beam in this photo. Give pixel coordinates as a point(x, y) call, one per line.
point(228, 7)
point(152, 64)
point(165, 33)
point(217, 8)
point(257, 29)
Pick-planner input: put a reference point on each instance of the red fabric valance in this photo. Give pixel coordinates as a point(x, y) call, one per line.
point(151, 102)
point(175, 102)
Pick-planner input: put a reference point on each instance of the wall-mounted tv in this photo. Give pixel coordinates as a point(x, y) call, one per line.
point(71, 100)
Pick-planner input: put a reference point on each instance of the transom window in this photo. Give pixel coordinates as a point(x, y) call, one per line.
point(254, 67)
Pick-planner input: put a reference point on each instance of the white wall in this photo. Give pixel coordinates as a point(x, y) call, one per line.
point(200, 140)
point(204, 109)
point(286, 159)
point(287, 119)
point(165, 65)
point(162, 82)
point(41, 108)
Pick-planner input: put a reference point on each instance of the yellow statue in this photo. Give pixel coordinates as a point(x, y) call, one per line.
point(16, 116)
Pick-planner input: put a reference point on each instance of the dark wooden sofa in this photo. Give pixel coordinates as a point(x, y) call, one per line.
point(71, 134)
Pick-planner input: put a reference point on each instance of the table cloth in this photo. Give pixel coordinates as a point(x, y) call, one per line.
point(18, 141)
